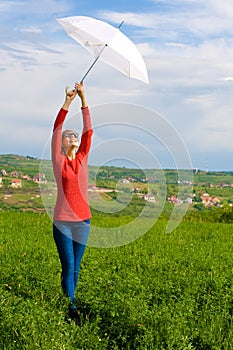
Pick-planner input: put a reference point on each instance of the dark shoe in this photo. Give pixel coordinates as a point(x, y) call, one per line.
point(73, 314)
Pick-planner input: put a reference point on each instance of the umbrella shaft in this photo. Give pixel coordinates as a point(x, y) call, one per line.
point(93, 63)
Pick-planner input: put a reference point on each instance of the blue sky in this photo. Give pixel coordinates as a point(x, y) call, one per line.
point(188, 49)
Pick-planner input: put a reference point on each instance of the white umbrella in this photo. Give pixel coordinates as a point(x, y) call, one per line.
point(106, 43)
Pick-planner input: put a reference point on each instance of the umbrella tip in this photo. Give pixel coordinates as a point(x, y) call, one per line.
point(121, 24)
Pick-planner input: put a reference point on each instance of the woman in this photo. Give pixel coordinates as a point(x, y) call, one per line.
point(72, 214)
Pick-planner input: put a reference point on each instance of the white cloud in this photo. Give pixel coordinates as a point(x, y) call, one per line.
point(175, 45)
point(8, 6)
point(227, 79)
point(31, 29)
point(213, 129)
point(34, 7)
point(222, 7)
point(180, 23)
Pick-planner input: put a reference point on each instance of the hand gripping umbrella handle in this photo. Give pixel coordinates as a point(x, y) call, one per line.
point(91, 66)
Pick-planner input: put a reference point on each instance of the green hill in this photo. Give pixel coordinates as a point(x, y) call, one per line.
point(162, 183)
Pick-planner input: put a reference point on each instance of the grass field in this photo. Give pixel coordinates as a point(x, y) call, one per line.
point(163, 291)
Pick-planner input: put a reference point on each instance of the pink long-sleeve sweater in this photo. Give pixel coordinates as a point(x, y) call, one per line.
point(71, 175)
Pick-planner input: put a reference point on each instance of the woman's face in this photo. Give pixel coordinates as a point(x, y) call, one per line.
point(69, 138)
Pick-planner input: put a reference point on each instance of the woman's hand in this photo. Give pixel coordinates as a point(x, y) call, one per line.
point(79, 88)
point(70, 95)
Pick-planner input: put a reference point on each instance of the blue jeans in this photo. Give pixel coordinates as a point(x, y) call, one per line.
point(71, 239)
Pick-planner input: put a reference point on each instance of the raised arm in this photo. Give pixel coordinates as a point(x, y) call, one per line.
point(57, 128)
point(70, 95)
point(87, 126)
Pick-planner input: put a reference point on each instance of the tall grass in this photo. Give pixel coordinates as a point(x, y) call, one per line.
point(163, 291)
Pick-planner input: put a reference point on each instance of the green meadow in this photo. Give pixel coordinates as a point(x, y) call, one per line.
point(162, 291)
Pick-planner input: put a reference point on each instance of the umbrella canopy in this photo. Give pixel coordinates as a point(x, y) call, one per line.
point(106, 43)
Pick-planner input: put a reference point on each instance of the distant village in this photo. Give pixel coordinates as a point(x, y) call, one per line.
point(17, 178)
